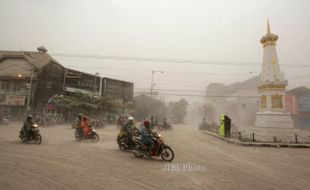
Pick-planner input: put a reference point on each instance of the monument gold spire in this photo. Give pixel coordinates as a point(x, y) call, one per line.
point(268, 27)
point(271, 75)
point(269, 38)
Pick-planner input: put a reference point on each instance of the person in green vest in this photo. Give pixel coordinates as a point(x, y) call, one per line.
point(222, 125)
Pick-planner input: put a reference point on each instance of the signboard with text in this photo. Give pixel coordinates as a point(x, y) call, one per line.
point(14, 100)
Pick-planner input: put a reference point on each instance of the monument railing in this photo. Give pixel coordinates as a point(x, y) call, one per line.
point(254, 137)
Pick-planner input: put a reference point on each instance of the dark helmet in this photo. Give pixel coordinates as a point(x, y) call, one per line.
point(80, 115)
point(29, 117)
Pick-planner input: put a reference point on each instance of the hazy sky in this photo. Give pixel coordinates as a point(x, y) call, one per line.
point(226, 31)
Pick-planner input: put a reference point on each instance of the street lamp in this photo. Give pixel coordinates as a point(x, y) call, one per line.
point(152, 81)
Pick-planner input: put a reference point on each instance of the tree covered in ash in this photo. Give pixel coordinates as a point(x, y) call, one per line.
point(177, 111)
point(208, 111)
point(80, 103)
point(145, 106)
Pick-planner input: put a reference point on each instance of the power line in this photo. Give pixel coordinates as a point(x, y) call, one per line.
point(171, 60)
point(166, 71)
point(199, 95)
point(171, 90)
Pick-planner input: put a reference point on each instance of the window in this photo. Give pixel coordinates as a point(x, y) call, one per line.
point(5, 86)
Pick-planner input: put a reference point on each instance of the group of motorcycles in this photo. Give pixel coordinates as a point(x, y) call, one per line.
point(33, 134)
point(132, 142)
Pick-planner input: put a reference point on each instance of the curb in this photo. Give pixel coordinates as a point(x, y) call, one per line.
point(257, 144)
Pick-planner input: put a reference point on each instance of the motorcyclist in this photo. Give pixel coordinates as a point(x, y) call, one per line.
point(128, 130)
point(145, 135)
point(120, 121)
point(204, 122)
point(78, 123)
point(27, 125)
point(130, 126)
point(153, 122)
point(165, 123)
point(204, 125)
point(85, 126)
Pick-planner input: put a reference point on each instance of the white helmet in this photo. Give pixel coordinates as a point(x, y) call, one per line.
point(131, 118)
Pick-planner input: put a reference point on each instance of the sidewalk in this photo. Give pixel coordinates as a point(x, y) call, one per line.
point(259, 144)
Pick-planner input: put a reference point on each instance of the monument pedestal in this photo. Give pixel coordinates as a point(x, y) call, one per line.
point(274, 127)
point(280, 120)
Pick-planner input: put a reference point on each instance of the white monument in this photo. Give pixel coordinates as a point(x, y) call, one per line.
point(272, 119)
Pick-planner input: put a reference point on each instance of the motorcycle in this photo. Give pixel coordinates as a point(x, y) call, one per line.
point(33, 135)
point(92, 135)
point(125, 143)
point(5, 122)
point(159, 149)
point(165, 126)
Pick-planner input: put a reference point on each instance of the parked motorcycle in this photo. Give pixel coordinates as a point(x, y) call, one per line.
point(32, 136)
point(92, 135)
point(5, 122)
point(159, 149)
point(97, 123)
point(165, 126)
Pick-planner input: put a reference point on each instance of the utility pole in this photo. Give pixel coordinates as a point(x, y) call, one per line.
point(30, 92)
point(96, 75)
point(152, 81)
point(64, 82)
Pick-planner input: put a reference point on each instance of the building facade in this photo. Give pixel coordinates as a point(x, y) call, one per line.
point(25, 76)
point(118, 89)
point(77, 81)
point(28, 80)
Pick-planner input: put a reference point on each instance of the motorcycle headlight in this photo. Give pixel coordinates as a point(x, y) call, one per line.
point(159, 135)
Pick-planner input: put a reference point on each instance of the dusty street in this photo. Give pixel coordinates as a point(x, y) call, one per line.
point(62, 163)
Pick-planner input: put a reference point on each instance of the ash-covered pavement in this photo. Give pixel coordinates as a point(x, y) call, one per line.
point(201, 162)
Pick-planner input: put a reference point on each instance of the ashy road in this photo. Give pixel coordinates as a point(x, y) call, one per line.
point(201, 162)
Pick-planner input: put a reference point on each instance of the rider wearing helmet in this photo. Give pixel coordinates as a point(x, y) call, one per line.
point(85, 125)
point(78, 123)
point(130, 125)
point(145, 135)
point(127, 130)
point(27, 125)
